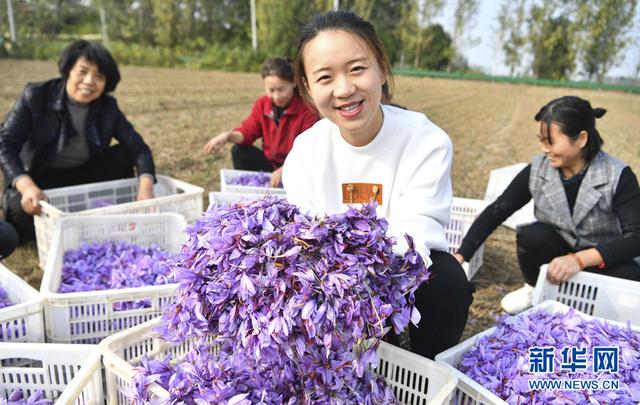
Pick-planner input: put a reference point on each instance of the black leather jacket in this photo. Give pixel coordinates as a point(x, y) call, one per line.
point(37, 128)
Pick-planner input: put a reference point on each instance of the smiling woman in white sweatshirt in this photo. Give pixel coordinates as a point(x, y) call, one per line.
point(364, 149)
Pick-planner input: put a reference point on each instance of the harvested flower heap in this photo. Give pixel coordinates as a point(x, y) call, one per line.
point(296, 306)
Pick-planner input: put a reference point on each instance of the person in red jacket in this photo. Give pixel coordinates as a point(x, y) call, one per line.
point(277, 117)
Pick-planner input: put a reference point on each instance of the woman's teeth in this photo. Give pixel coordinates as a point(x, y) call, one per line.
point(350, 107)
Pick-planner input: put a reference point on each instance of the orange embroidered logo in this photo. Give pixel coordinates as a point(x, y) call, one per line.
point(360, 193)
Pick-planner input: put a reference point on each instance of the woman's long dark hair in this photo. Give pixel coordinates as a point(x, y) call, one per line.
point(573, 115)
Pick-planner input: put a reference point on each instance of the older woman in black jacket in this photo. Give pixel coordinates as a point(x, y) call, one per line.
point(59, 134)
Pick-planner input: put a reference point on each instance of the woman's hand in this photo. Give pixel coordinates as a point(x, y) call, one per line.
point(31, 195)
point(145, 188)
point(562, 268)
point(30, 200)
point(276, 177)
point(216, 143)
point(459, 258)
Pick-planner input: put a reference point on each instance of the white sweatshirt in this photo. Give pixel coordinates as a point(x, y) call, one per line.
point(411, 157)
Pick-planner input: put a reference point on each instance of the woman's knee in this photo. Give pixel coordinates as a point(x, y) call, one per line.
point(535, 236)
point(19, 220)
point(239, 151)
point(448, 281)
point(8, 239)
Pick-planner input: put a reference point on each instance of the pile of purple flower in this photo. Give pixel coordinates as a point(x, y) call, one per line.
point(114, 265)
point(258, 179)
point(500, 361)
point(4, 299)
point(296, 305)
point(17, 398)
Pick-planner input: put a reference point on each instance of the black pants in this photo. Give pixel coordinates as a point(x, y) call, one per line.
point(443, 302)
point(250, 158)
point(539, 243)
point(113, 165)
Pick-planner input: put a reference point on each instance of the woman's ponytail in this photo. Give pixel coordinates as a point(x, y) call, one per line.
point(598, 112)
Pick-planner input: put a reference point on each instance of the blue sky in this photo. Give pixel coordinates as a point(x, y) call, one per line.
point(487, 56)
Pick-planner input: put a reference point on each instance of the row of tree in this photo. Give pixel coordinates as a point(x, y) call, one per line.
point(405, 26)
point(554, 39)
point(544, 38)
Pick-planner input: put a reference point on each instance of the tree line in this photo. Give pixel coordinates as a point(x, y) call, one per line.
point(542, 38)
point(553, 39)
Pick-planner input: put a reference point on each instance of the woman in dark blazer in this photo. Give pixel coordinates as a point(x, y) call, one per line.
point(587, 205)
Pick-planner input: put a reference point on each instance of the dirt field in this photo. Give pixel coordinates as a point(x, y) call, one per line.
point(491, 126)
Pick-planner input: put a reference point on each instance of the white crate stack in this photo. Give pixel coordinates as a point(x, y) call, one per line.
point(606, 297)
point(227, 175)
point(463, 212)
point(22, 322)
point(414, 379)
point(67, 374)
point(89, 316)
point(469, 392)
point(114, 197)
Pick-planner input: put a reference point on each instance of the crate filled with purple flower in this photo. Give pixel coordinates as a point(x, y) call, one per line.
point(217, 197)
point(21, 309)
point(411, 378)
point(247, 182)
point(111, 198)
point(108, 273)
point(540, 355)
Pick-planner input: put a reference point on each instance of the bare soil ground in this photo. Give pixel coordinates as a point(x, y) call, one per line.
point(491, 126)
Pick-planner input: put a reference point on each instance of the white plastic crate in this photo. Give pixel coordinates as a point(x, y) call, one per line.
point(598, 295)
point(229, 198)
point(499, 179)
point(414, 379)
point(171, 196)
point(68, 374)
point(463, 212)
point(469, 392)
point(22, 322)
point(89, 316)
point(227, 174)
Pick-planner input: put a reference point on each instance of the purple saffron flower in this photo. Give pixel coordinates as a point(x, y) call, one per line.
point(17, 398)
point(258, 179)
point(500, 362)
point(4, 299)
point(114, 265)
point(297, 306)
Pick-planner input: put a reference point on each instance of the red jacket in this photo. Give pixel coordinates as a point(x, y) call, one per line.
point(277, 140)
